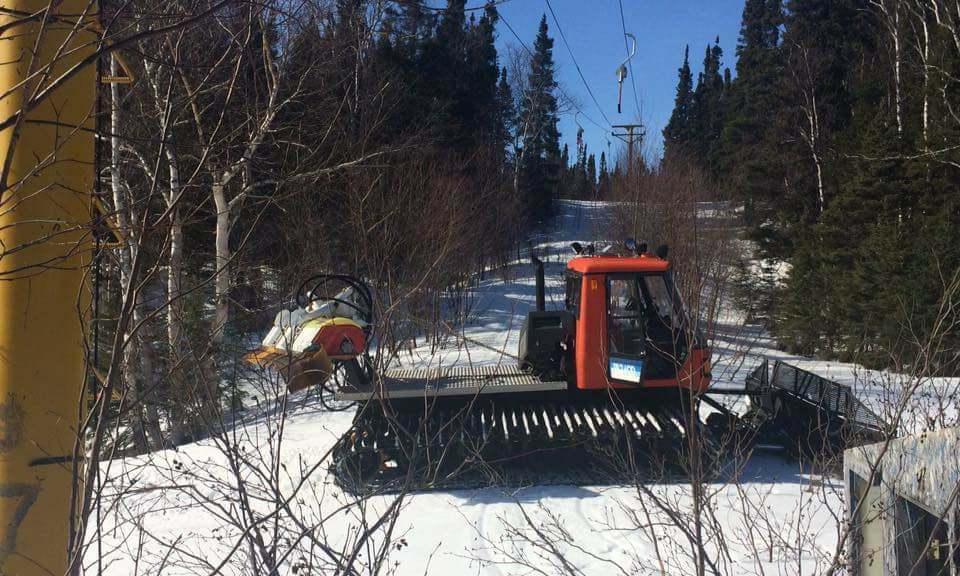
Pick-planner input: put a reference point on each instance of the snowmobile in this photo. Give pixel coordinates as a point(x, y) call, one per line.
point(613, 387)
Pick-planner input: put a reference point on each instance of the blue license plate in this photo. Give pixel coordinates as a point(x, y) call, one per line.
point(626, 370)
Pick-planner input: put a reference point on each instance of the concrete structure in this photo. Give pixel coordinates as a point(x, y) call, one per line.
point(902, 498)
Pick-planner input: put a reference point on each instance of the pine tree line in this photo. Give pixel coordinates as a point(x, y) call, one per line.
point(839, 135)
point(387, 140)
point(582, 177)
point(693, 130)
point(454, 81)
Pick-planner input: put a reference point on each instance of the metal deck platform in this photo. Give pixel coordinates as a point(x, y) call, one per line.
point(454, 381)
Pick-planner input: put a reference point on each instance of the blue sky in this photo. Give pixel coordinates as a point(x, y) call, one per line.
point(595, 34)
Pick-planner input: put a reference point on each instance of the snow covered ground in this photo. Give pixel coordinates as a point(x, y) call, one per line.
point(183, 512)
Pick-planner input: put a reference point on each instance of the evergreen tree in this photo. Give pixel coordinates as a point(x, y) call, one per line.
point(591, 178)
point(506, 115)
point(848, 262)
point(566, 173)
point(603, 178)
point(540, 157)
point(706, 117)
point(831, 155)
point(747, 163)
point(451, 31)
point(679, 130)
point(485, 73)
point(447, 58)
point(416, 26)
point(580, 169)
point(824, 39)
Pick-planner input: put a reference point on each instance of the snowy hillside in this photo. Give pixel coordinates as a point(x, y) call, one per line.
point(184, 512)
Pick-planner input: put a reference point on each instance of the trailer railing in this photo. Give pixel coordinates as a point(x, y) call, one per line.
point(798, 390)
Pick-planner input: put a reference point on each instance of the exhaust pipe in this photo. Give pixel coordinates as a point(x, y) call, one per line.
point(541, 299)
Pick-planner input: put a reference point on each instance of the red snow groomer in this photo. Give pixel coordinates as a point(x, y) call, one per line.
point(611, 384)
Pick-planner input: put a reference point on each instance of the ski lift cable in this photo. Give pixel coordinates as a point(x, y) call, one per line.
point(577, 64)
point(559, 87)
point(633, 82)
point(424, 6)
point(562, 91)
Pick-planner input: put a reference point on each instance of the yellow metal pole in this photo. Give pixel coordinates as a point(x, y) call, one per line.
point(44, 216)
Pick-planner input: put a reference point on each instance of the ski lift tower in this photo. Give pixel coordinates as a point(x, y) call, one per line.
point(47, 104)
point(632, 135)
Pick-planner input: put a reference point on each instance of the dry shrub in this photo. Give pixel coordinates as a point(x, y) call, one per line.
point(674, 204)
point(419, 229)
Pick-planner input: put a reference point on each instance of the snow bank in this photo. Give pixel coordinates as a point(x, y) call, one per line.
point(182, 512)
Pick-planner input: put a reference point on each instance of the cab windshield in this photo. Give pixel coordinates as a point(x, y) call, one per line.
point(644, 321)
point(660, 297)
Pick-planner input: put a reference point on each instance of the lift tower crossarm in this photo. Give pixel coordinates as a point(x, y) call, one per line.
point(633, 133)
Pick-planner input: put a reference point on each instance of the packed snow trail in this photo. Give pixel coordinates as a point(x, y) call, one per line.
point(177, 512)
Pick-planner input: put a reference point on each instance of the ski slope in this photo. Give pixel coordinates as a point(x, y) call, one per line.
point(179, 512)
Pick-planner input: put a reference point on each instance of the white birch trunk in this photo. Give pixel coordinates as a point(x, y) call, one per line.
point(137, 368)
point(895, 34)
point(222, 262)
point(174, 264)
point(926, 81)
